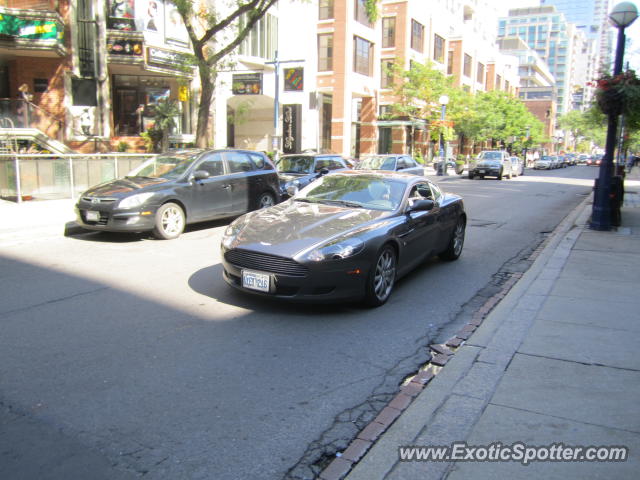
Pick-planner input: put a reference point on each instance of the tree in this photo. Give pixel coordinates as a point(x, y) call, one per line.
point(574, 122)
point(213, 36)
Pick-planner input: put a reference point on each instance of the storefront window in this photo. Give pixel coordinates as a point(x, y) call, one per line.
point(133, 101)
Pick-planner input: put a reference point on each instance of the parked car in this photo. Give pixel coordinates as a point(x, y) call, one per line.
point(392, 162)
point(167, 192)
point(349, 235)
point(583, 158)
point(545, 162)
point(595, 160)
point(517, 166)
point(299, 170)
point(492, 163)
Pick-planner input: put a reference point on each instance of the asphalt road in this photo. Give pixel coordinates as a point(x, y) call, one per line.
point(123, 356)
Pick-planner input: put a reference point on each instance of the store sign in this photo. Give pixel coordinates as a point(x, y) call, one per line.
point(124, 47)
point(121, 15)
point(293, 79)
point(159, 56)
point(291, 115)
point(13, 26)
point(247, 84)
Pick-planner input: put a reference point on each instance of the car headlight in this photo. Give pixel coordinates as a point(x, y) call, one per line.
point(230, 235)
point(135, 200)
point(337, 250)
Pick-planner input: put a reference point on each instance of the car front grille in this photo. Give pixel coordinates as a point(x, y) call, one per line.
point(99, 200)
point(265, 263)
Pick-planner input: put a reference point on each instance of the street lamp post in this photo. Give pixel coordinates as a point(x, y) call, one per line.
point(444, 100)
point(526, 141)
point(622, 15)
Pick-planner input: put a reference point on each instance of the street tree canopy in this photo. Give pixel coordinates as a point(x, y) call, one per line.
point(214, 35)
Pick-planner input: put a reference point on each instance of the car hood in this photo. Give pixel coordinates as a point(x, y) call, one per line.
point(122, 187)
point(288, 177)
point(292, 227)
point(488, 163)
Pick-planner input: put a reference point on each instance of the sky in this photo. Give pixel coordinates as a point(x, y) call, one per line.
point(632, 52)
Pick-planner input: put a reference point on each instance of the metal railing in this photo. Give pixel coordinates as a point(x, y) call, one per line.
point(53, 176)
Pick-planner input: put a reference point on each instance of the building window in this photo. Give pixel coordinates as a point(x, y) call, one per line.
point(467, 66)
point(361, 13)
point(480, 75)
point(362, 56)
point(326, 114)
point(438, 48)
point(506, 86)
point(388, 32)
point(417, 36)
point(498, 82)
point(325, 11)
point(386, 74)
point(86, 39)
point(325, 52)
point(450, 63)
point(262, 41)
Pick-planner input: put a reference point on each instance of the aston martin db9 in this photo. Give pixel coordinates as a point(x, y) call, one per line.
point(347, 236)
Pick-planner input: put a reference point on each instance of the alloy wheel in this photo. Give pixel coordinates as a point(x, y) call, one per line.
point(385, 274)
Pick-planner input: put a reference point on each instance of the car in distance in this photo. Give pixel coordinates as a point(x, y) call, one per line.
point(391, 162)
point(299, 170)
point(169, 191)
point(545, 162)
point(492, 163)
point(347, 236)
point(517, 166)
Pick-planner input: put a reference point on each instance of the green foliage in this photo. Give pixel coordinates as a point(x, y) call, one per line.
point(152, 138)
point(122, 146)
point(487, 116)
point(371, 7)
point(165, 113)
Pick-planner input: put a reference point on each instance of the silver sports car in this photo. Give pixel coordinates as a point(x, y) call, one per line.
point(349, 235)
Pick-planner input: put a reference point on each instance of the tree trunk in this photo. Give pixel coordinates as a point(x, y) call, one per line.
point(206, 94)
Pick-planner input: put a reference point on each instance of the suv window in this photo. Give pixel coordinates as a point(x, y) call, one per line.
point(238, 162)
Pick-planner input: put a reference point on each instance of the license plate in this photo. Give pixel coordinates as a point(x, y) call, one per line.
point(92, 216)
point(255, 280)
point(481, 171)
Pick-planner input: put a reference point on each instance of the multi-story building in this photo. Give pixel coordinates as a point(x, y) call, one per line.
point(310, 76)
point(557, 42)
point(84, 74)
point(591, 17)
point(537, 84)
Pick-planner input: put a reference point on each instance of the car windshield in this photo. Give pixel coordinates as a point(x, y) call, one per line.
point(491, 156)
point(361, 191)
point(377, 163)
point(170, 166)
point(295, 164)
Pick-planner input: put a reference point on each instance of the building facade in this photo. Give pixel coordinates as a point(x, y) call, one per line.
point(311, 75)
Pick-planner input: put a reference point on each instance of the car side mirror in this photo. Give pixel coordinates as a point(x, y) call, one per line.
point(323, 171)
point(200, 175)
point(423, 205)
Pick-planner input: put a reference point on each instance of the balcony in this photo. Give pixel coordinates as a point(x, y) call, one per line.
point(32, 33)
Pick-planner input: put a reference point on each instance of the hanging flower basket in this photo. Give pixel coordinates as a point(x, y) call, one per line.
point(618, 95)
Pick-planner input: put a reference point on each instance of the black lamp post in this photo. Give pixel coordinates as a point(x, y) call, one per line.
point(622, 15)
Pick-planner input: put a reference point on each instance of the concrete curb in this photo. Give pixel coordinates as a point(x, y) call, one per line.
point(415, 405)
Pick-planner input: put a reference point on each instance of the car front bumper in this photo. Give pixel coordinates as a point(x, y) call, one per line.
point(139, 220)
point(330, 281)
point(486, 171)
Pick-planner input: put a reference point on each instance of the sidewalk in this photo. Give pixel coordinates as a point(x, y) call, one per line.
point(556, 361)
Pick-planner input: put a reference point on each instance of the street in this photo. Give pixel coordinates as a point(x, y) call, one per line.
point(125, 356)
